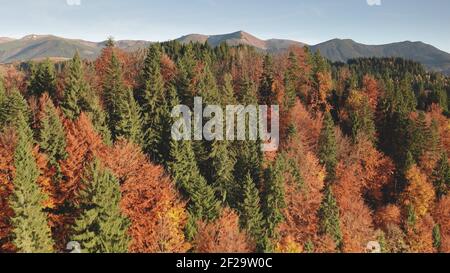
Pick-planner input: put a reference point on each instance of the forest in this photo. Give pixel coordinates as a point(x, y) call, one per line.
point(86, 154)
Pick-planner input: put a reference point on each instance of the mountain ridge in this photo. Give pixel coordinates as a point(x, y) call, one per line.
point(35, 46)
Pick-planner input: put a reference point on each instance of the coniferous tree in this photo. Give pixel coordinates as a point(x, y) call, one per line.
point(152, 102)
point(266, 91)
point(101, 227)
point(274, 196)
point(116, 96)
point(441, 176)
point(75, 89)
point(52, 138)
point(129, 125)
point(290, 82)
point(43, 79)
point(329, 222)
point(13, 105)
point(78, 97)
point(328, 147)
point(31, 231)
point(437, 237)
point(222, 164)
point(252, 219)
point(184, 170)
point(2, 92)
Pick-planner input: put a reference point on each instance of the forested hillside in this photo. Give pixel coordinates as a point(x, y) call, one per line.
point(86, 154)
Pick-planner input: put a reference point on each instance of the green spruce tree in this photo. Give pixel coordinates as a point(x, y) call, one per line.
point(329, 223)
point(13, 105)
point(31, 231)
point(274, 202)
point(184, 170)
point(52, 138)
point(43, 79)
point(441, 176)
point(101, 227)
point(252, 219)
point(328, 147)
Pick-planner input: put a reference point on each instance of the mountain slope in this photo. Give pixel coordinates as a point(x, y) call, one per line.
point(42, 46)
point(240, 38)
point(343, 50)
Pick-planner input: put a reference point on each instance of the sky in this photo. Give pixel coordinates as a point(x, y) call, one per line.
point(309, 21)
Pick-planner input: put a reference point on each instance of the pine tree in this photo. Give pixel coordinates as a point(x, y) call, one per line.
point(152, 102)
point(329, 222)
point(101, 228)
point(13, 105)
point(43, 79)
point(441, 177)
point(328, 147)
point(185, 172)
point(30, 227)
point(75, 89)
point(52, 138)
point(251, 216)
point(274, 202)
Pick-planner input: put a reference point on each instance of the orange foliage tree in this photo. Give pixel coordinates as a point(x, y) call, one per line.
point(442, 216)
point(7, 146)
point(223, 236)
point(303, 195)
point(149, 200)
point(355, 216)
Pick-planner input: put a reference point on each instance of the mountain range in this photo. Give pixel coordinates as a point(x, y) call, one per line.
point(33, 47)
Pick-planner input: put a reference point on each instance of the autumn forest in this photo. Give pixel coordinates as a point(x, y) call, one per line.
point(86, 154)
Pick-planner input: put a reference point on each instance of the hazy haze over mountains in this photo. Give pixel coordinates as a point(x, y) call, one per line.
point(42, 46)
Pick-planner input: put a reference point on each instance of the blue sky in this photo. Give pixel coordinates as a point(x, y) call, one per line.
point(310, 21)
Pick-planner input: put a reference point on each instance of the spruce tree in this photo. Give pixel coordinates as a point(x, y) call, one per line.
point(186, 68)
point(31, 231)
point(441, 176)
point(101, 227)
point(328, 147)
point(329, 223)
point(2, 92)
point(274, 196)
point(291, 80)
point(13, 105)
point(129, 125)
point(98, 117)
point(184, 170)
point(116, 96)
point(222, 164)
point(43, 79)
point(252, 219)
point(437, 237)
point(75, 89)
point(152, 101)
point(52, 138)
point(266, 92)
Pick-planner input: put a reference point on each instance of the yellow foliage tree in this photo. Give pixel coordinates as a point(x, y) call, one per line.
point(419, 194)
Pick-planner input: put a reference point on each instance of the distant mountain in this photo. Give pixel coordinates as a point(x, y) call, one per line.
point(42, 46)
point(241, 38)
point(342, 50)
point(48, 46)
